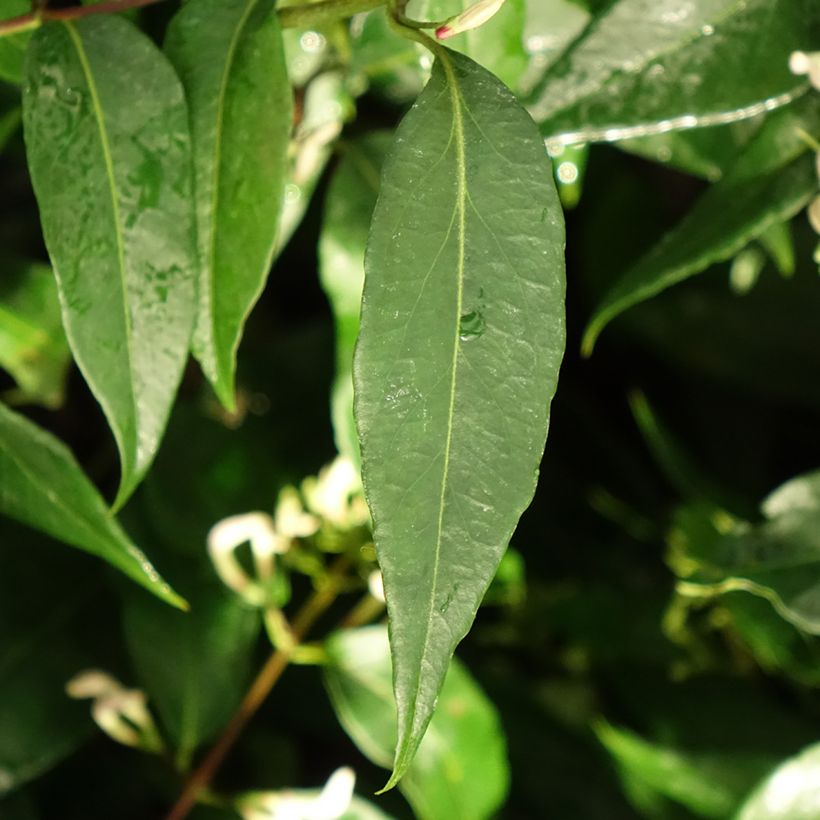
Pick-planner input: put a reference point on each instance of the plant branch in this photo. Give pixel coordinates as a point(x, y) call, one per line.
point(259, 690)
point(302, 16)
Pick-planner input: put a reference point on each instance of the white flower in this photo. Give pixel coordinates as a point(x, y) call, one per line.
point(330, 804)
point(336, 495)
point(228, 535)
point(121, 713)
point(375, 585)
point(473, 17)
point(291, 519)
point(801, 62)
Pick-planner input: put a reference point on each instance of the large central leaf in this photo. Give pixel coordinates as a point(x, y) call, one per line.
point(461, 339)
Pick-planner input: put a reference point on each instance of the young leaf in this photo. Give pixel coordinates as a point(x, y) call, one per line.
point(33, 346)
point(211, 645)
point(107, 141)
point(641, 68)
point(789, 792)
point(461, 768)
point(461, 339)
point(771, 181)
point(230, 57)
point(43, 486)
point(13, 47)
point(349, 206)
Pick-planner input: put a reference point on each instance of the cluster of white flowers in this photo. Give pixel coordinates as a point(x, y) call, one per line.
point(334, 498)
point(120, 712)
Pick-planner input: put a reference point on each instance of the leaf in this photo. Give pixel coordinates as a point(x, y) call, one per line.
point(42, 485)
point(230, 57)
point(349, 205)
point(43, 646)
point(650, 67)
point(770, 182)
point(778, 560)
point(10, 119)
point(107, 142)
point(461, 768)
point(33, 347)
point(13, 47)
point(789, 792)
point(461, 339)
point(497, 45)
point(211, 647)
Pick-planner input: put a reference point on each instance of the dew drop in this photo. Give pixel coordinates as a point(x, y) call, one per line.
point(471, 326)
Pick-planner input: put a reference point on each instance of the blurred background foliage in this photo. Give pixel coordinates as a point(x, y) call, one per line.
point(650, 643)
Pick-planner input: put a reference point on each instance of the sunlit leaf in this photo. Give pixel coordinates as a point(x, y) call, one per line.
point(771, 181)
point(42, 486)
point(651, 67)
point(13, 47)
point(107, 141)
point(33, 347)
point(461, 767)
point(230, 58)
point(348, 211)
point(462, 336)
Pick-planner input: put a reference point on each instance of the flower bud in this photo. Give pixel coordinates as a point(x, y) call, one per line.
point(473, 17)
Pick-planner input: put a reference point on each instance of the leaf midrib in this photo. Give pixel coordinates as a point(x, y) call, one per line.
point(461, 201)
point(115, 205)
point(230, 58)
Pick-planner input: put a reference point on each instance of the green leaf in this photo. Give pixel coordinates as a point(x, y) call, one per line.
point(10, 120)
point(461, 766)
point(50, 629)
point(643, 68)
point(13, 47)
point(498, 45)
point(42, 485)
point(230, 57)
point(107, 141)
point(211, 648)
point(770, 182)
point(349, 206)
point(461, 340)
point(33, 347)
point(778, 560)
point(789, 792)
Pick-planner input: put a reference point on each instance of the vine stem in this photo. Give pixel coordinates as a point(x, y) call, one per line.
point(302, 16)
point(259, 690)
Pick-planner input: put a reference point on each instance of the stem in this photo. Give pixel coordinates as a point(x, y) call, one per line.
point(306, 16)
point(270, 673)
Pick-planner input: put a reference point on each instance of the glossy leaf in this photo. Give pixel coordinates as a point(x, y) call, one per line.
point(33, 347)
point(778, 560)
point(211, 648)
point(107, 143)
point(461, 339)
point(42, 486)
point(230, 58)
point(771, 181)
point(461, 767)
point(650, 67)
point(789, 793)
point(13, 47)
point(349, 206)
point(498, 45)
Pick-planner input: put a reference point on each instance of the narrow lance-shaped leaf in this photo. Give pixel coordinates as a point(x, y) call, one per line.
point(42, 485)
point(771, 181)
point(13, 47)
point(107, 141)
point(349, 206)
point(230, 57)
point(651, 66)
point(461, 340)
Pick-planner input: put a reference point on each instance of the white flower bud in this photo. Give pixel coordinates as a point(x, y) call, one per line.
point(336, 495)
point(801, 62)
point(375, 585)
point(291, 519)
point(473, 17)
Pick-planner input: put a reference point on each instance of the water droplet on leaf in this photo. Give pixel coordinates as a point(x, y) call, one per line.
point(471, 326)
